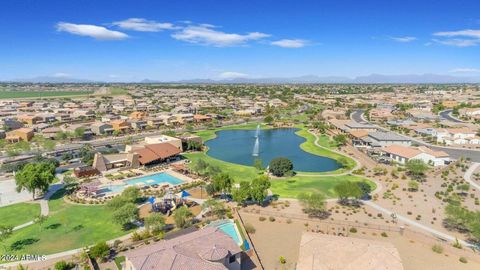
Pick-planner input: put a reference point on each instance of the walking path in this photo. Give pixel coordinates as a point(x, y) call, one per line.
point(418, 225)
point(44, 210)
point(357, 163)
point(468, 175)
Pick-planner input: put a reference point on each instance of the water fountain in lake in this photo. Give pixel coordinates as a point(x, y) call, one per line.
point(256, 146)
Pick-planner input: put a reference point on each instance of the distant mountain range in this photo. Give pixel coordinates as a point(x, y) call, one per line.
point(370, 79)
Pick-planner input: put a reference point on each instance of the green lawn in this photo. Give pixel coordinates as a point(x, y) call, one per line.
point(17, 214)
point(67, 227)
point(309, 146)
point(30, 94)
point(238, 172)
point(291, 187)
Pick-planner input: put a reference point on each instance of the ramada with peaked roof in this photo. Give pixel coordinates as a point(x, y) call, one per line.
point(206, 249)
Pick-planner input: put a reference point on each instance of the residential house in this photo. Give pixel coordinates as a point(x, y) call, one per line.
point(99, 128)
point(402, 154)
point(209, 248)
point(21, 134)
point(382, 139)
point(451, 136)
point(120, 125)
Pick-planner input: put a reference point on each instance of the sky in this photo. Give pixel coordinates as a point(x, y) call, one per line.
point(116, 40)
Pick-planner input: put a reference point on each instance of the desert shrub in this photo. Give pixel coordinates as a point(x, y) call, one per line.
point(271, 219)
point(262, 218)
point(249, 228)
point(353, 230)
point(463, 260)
point(437, 249)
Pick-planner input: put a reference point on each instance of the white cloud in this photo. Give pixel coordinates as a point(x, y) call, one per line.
point(232, 75)
point(461, 38)
point(458, 42)
point(465, 70)
point(462, 33)
point(403, 39)
point(206, 35)
point(143, 25)
point(61, 75)
point(290, 43)
point(94, 31)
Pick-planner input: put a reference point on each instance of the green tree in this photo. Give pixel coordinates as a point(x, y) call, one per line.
point(242, 193)
point(155, 223)
point(346, 190)
point(340, 139)
point(100, 250)
point(259, 187)
point(5, 233)
point(131, 194)
point(35, 176)
point(280, 166)
point(49, 145)
point(314, 204)
point(416, 168)
point(269, 119)
point(40, 220)
point(79, 132)
point(216, 207)
point(222, 182)
point(181, 215)
point(126, 214)
point(258, 164)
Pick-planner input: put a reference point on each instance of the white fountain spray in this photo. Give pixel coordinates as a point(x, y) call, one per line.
point(256, 146)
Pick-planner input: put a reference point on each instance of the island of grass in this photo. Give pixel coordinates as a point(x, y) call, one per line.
point(18, 214)
point(289, 187)
point(77, 225)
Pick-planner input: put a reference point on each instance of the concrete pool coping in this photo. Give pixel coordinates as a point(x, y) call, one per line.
point(224, 222)
point(118, 183)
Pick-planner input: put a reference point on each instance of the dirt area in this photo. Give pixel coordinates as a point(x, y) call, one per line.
point(426, 205)
point(282, 238)
point(198, 193)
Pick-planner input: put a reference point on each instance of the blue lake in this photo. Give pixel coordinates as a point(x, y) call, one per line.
point(236, 146)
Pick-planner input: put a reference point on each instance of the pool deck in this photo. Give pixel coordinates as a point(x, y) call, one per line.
point(106, 182)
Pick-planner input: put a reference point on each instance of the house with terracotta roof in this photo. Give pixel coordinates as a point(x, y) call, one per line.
point(206, 249)
point(201, 118)
point(402, 154)
point(21, 134)
point(156, 153)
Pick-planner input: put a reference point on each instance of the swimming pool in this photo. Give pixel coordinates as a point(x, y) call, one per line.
point(149, 180)
point(228, 227)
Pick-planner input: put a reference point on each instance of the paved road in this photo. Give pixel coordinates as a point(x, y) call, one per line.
point(447, 115)
point(468, 176)
point(456, 153)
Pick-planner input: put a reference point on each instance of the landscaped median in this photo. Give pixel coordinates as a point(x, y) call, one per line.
point(288, 187)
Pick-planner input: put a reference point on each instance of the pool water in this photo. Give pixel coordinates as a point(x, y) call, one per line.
point(149, 180)
point(229, 228)
point(236, 146)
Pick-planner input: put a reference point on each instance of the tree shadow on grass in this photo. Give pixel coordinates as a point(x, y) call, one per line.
point(53, 226)
point(20, 244)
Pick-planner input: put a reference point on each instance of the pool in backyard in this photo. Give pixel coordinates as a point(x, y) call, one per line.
point(228, 227)
point(148, 180)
